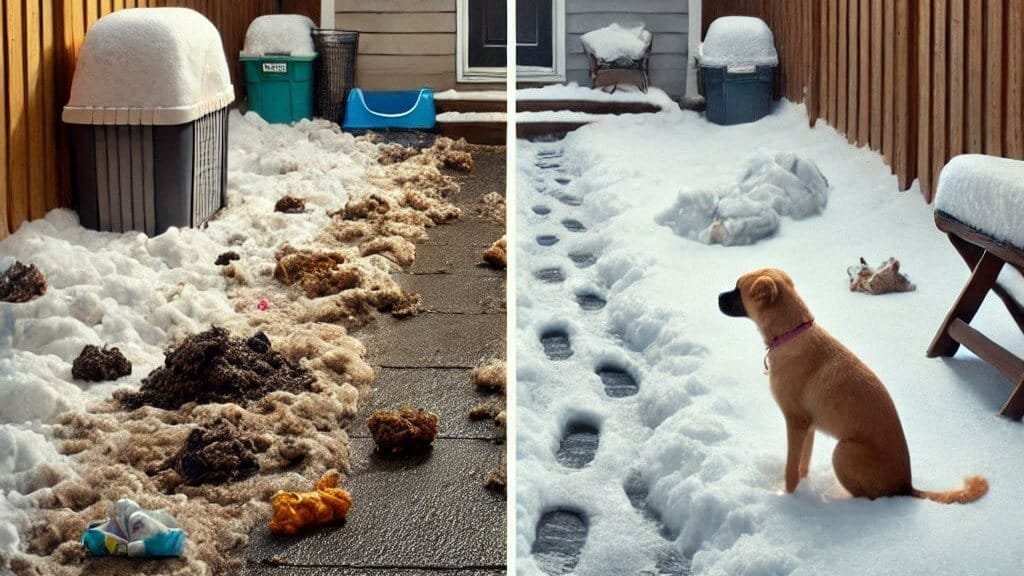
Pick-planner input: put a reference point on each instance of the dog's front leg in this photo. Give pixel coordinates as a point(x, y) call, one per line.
point(796, 435)
point(805, 454)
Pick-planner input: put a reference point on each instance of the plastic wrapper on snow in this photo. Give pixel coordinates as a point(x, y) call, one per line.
point(149, 66)
point(615, 41)
point(986, 193)
point(739, 42)
point(771, 187)
point(279, 34)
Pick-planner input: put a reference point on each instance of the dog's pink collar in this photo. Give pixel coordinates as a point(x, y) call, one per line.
point(783, 338)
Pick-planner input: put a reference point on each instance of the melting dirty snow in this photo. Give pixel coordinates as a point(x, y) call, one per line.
point(69, 449)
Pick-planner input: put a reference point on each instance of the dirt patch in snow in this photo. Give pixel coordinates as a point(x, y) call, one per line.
point(225, 258)
point(492, 208)
point(215, 454)
point(290, 205)
point(97, 364)
point(407, 429)
point(214, 367)
point(21, 283)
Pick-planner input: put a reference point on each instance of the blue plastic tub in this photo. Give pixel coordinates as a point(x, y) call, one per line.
point(737, 97)
point(390, 110)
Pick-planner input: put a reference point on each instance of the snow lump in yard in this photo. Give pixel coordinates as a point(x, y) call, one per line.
point(279, 34)
point(771, 187)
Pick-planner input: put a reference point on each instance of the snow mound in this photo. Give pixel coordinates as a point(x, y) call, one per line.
point(986, 193)
point(739, 41)
point(769, 188)
point(616, 41)
point(149, 66)
point(279, 34)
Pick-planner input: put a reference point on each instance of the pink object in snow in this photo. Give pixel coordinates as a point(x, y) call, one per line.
point(263, 304)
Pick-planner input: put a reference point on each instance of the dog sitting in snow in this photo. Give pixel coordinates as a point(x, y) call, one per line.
point(294, 511)
point(820, 385)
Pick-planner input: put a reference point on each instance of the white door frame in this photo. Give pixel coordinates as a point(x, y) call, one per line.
point(466, 74)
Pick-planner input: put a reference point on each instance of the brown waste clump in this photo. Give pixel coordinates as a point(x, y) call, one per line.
point(394, 248)
point(497, 479)
point(97, 364)
point(388, 154)
point(316, 273)
point(407, 429)
point(354, 308)
point(497, 256)
point(492, 208)
point(290, 205)
point(439, 211)
point(452, 154)
point(214, 367)
point(489, 377)
point(227, 258)
point(215, 454)
point(21, 283)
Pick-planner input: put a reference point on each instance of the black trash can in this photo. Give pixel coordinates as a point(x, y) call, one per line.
point(335, 71)
point(149, 132)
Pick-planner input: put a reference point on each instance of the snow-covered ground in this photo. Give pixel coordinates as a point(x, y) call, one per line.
point(702, 442)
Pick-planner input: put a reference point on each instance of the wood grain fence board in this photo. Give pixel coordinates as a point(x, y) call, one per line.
point(820, 48)
point(1015, 80)
point(957, 65)
point(4, 182)
point(50, 112)
point(35, 118)
point(842, 76)
point(864, 82)
point(17, 111)
point(975, 69)
point(853, 68)
point(904, 140)
point(994, 74)
point(924, 102)
point(888, 85)
point(833, 63)
point(876, 32)
point(938, 91)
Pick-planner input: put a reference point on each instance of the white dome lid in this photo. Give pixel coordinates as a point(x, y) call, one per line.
point(161, 66)
point(739, 41)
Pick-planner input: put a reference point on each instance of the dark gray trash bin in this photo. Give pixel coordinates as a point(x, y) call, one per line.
point(152, 152)
point(738, 62)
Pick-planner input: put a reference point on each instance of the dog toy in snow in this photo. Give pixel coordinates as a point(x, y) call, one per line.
point(135, 532)
point(294, 511)
point(887, 278)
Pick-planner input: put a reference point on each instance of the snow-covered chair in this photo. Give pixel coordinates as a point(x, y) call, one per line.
point(980, 205)
point(619, 54)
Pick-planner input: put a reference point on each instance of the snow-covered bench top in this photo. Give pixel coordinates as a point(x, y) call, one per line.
point(986, 193)
point(739, 42)
point(161, 66)
point(615, 41)
point(289, 34)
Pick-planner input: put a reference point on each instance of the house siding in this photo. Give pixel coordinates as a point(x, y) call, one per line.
point(667, 19)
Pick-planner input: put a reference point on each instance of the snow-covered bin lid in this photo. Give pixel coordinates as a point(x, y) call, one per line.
point(617, 41)
point(739, 42)
point(289, 34)
point(986, 193)
point(151, 66)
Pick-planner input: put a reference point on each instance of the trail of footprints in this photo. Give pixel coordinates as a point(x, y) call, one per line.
point(562, 533)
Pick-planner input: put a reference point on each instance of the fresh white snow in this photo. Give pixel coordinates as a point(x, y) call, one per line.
point(149, 66)
point(471, 95)
point(573, 91)
point(617, 41)
point(288, 34)
point(703, 433)
point(738, 42)
point(139, 293)
point(986, 193)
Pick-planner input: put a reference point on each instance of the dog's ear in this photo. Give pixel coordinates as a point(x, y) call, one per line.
point(764, 290)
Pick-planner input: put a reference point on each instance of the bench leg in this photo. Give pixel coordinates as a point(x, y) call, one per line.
point(971, 255)
point(982, 279)
point(1014, 407)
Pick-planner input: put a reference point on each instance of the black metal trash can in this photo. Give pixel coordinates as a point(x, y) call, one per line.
point(335, 71)
point(149, 131)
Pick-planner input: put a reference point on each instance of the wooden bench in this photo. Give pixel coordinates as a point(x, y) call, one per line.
point(986, 257)
point(623, 70)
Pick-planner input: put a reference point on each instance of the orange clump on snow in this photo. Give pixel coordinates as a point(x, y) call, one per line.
point(294, 511)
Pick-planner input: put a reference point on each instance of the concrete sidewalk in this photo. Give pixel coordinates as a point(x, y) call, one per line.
point(430, 513)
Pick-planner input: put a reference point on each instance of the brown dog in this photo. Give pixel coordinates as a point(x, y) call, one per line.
point(820, 385)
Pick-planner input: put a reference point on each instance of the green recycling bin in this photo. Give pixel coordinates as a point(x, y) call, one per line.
point(280, 88)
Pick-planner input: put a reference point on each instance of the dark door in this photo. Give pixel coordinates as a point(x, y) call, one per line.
point(488, 39)
point(534, 33)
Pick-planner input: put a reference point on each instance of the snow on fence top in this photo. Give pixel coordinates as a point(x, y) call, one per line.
point(289, 34)
point(160, 66)
point(986, 193)
point(614, 41)
point(739, 41)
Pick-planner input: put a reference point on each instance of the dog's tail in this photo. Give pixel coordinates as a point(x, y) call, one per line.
point(974, 487)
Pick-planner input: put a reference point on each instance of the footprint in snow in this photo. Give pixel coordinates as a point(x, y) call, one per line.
point(579, 445)
point(560, 537)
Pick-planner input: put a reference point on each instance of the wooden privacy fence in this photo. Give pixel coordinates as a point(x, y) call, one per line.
point(919, 81)
point(40, 40)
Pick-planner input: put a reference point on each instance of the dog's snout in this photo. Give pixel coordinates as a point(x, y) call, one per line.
point(731, 303)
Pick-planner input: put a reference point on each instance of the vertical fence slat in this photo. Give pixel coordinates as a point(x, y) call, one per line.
point(876, 27)
point(842, 77)
point(864, 82)
point(924, 102)
point(50, 116)
point(36, 118)
point(17, 132)
point(1015, 80)
point(904, 140)
point(888, 85)
point(853, 69)
point(975, 67)
point(956, 77)
point(4, 183)
point(994, 78)
point(938, 90)
point(833, 63)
